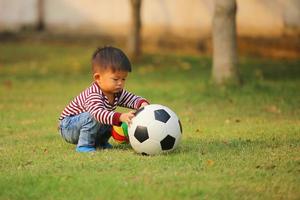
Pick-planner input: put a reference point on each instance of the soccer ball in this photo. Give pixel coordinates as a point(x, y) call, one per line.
point(155, 129)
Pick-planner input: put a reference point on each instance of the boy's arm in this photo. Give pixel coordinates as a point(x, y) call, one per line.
point(95, 106)
point(129, 100)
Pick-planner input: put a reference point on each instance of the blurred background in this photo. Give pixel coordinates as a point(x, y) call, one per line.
point(264, 27)
point(240, 141)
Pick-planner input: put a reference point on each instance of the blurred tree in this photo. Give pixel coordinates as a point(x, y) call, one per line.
point(134, 39)
point(225, 56)
point(40, 26)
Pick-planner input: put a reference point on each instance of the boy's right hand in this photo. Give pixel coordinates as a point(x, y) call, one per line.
point(126, 117)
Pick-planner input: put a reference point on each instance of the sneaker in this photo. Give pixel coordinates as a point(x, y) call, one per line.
point(85, 149)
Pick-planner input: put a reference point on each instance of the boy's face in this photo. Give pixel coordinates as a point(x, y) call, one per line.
point(111, 82)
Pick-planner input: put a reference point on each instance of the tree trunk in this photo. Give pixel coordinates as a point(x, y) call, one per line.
point(40, 26)
point(225, 58)
point(134, 39)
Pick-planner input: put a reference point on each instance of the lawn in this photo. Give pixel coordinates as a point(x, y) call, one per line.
point(238, 142)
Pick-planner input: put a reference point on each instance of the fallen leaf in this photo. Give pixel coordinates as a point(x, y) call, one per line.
point(28, 162)
point(225, 142)
point(210, 162)
point(273, 109)
point(271, 166)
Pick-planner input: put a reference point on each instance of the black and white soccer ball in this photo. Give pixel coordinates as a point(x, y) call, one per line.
point(155, 129)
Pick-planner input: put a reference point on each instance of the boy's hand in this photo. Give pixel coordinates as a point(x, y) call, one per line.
point(126, 117)
point(144, 104)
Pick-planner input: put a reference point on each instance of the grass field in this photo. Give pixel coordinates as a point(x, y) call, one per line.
point(238, 143)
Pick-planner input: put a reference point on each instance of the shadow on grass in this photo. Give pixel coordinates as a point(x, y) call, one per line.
point(203, 147)
point(122, 147)
point(275, 70)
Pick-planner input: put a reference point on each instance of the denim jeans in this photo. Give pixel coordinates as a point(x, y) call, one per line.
point(84, 130)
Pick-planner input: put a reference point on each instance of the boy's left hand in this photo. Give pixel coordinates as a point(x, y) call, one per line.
point(144, 104)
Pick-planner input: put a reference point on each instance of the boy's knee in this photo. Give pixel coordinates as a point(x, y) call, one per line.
point(90, 120)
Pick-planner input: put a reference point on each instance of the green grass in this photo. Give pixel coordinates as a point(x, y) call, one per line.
point(238, 143)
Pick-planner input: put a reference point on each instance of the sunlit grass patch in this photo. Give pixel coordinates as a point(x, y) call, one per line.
point(238, 143)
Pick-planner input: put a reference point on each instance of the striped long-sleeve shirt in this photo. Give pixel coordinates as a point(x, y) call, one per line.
point(94, 101)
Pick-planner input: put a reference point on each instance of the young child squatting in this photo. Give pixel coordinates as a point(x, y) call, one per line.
point(87, 120)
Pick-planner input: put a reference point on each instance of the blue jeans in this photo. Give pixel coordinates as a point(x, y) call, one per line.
point(84, 130)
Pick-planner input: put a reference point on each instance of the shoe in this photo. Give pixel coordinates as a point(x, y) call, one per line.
point(106, 146)
point(85, 149)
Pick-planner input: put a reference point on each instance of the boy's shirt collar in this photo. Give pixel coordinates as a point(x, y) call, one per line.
point(96, 84)
point(117, 95)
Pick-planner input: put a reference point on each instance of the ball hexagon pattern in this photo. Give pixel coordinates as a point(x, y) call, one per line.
point(161, 115)
point(155, 129)
point(141, 133)
point(168, 142)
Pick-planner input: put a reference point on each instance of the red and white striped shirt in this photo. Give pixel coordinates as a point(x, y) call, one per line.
point(94, 101)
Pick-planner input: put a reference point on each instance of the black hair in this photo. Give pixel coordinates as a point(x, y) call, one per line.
point(110, 58)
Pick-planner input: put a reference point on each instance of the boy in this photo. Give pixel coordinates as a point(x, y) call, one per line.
point(88, 119)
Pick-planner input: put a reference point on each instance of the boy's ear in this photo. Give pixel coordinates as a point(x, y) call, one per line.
point(96, 76)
